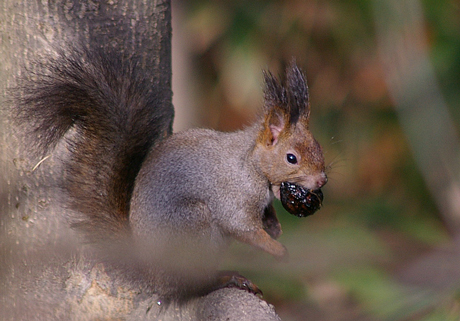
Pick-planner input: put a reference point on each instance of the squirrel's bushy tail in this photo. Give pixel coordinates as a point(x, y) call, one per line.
point(111, 114)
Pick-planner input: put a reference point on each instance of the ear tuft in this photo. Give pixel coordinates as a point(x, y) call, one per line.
point(291, 98)
point(274, 94)
point(297, 93)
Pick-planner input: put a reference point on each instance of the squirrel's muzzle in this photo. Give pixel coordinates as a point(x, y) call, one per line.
point(299, 201)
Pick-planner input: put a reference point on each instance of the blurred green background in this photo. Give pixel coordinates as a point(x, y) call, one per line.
point(382, 247)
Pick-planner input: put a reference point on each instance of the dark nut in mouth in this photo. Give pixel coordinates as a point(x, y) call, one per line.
point(299, 201)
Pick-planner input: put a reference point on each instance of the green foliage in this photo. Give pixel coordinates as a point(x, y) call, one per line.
point(380, 295)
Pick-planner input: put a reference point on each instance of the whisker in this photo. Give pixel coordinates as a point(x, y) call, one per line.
point(336, 142)
point(333, 141)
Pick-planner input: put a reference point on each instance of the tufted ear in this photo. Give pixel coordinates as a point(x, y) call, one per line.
point(289, 101)
point(297, 94)
point(285, 104)
point(274, 113)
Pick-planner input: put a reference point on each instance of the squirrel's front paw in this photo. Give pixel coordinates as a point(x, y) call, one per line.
point(282, 255)
point(232, 279)
point(270, 222)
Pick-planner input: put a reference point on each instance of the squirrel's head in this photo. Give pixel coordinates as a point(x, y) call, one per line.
point(287, 150)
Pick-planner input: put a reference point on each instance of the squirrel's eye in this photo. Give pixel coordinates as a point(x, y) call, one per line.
point(291, 159)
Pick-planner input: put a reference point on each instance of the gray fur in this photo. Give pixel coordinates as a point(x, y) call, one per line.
point(205, 163)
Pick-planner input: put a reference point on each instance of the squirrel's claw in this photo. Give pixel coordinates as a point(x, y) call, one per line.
point(232, 279)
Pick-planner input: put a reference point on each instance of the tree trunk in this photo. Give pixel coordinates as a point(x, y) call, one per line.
point(44, 274)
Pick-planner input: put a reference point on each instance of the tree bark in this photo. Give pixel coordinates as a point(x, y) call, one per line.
point(44, 274)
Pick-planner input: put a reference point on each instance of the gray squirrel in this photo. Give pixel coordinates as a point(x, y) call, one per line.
point(162, 208)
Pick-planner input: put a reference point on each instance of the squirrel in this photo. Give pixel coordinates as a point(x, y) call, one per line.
point(163, 207)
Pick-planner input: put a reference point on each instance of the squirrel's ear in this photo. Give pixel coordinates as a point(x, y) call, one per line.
point(297, 94)
point(291, 100)
point(275, 125)
point(276, 109)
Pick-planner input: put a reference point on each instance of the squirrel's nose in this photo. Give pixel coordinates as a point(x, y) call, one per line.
point(322, 181)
